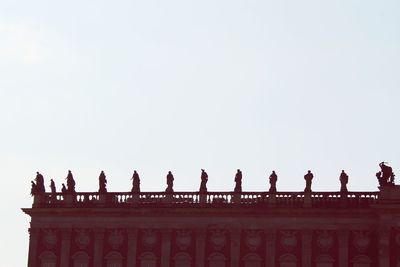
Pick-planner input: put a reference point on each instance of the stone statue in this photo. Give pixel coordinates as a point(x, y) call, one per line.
point(70, 183)
point(238, 181)
point(63, 189)
point(386, 175)
point(52, 186)
point(170, 183)
point(204, 179)
point(273, 178)
point(308, 177)
point(33, 188)
point(135, 182)
point(102, 183)
point(40, 189)
point(344, 179)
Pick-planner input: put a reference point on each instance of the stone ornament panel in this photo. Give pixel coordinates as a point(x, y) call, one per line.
point(149, 238)
point(50, 238)
point(288, 239)
point(325, 239)
point(253, 239)
point(218, 239)
point(82, 238)
point(183, 239)
point(362, 240)
point(115, 239)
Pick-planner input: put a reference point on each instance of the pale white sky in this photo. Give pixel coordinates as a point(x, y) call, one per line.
point(185, 85)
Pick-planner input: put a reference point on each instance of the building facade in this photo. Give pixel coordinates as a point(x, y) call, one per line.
point(216, 229)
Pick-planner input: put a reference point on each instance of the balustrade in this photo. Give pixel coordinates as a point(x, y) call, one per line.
point(278, 199)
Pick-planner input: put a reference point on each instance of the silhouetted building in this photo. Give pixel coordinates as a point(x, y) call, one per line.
point(216, 229)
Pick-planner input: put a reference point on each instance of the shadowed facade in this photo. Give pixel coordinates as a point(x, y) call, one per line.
point(215, 229)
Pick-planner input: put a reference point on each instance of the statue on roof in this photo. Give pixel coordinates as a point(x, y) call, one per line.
point(135, 182)
point(344, 179)
point(385, 176)
point(273, 178)
point(238, 181)
point(102, 183)
point(52, 186)
point(63, 189)
point(33, 188)
point(40, 189)
point(170, 183)
point(308, 177)
point(204, 179)
point(70, 182)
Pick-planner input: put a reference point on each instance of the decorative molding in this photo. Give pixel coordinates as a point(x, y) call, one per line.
point(115, 239)
point(253, 239)
point(183, 239)
point(149, 238)
point(362, 240)
point(325, 240)
point(218, 238)
point(50, 238)
point(82, 238)
point(288, 239)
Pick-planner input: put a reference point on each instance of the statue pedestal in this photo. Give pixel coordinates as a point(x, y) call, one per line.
point(307, 200)
point(343, 199)
point(272, 200)
point(203, 198)
point(102, 198)
point(69, 199)
point(236, 198)
point(37, 200)
point(389, 194)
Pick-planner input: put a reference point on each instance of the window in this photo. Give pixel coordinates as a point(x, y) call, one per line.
point(217, 260)
point(148, 259)
point(80, 259)
point(361, 261)
point(324, 261)
point(288, 260)
point(252, 260)
point(48, 259)
point(182, 260)
point(114, 259)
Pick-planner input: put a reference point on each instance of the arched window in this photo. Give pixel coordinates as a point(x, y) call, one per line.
point(324, 261)
point(114, 259)
point(80, 259)
point(48, 259)
point(288, 260)
point(217, 260)
point(361, 261)
point(148, 259)
point(182, 260)
point(252, 260)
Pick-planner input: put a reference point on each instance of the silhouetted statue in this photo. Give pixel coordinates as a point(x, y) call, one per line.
point(40, 189)
point(70, 182)
point(170, 183)
point(63, 189)
point(344, 179)
point(135, 182)
point(386, 175)
point(238, 181)
point(33, 188)
point(204, 179)
point(52, 186)
point(102, 183)
point(308, 177)
point(273, 178)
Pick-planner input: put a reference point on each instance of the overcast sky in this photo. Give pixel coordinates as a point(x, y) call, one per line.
point(184, 85)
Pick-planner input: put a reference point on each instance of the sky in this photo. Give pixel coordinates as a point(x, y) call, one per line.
point(158, 86)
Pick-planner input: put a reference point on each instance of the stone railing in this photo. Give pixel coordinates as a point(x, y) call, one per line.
point(209, 199)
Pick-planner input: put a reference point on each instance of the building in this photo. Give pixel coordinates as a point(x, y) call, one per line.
point(215, 229)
